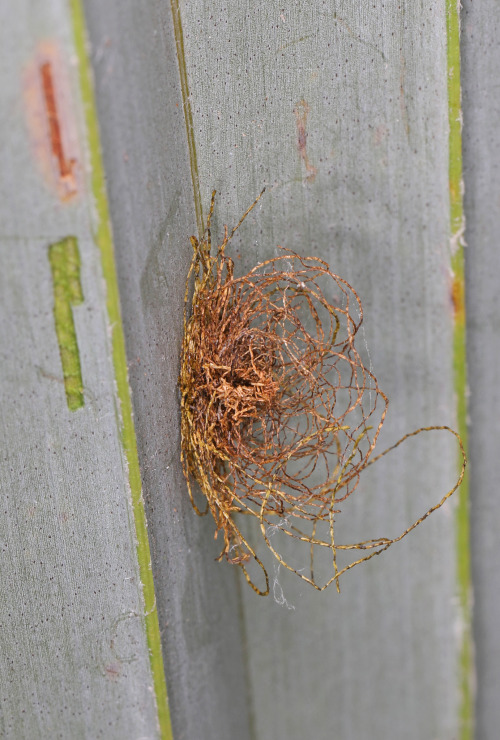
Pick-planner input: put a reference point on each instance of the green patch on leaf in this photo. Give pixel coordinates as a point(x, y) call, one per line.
point(64, 261)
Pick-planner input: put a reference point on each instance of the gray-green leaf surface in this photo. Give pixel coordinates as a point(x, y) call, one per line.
point(342, 111)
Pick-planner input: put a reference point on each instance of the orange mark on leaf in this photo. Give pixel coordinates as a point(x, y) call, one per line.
point(301, 111)
point(65, 165)
point(458, 298)
point(51, 119)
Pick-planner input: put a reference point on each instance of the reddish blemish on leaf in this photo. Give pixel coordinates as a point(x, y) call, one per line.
point(51, 120)
point(65, 165)
point(458, 298)
point(301, 111)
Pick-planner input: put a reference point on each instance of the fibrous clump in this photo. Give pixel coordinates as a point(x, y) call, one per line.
point(279, 415)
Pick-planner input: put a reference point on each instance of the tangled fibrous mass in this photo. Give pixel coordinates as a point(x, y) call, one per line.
point(279, 415)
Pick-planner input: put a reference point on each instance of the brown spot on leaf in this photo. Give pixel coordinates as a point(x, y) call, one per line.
point(113, 670)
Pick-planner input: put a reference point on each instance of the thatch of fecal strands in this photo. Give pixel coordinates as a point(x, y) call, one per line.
point(279, 416)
